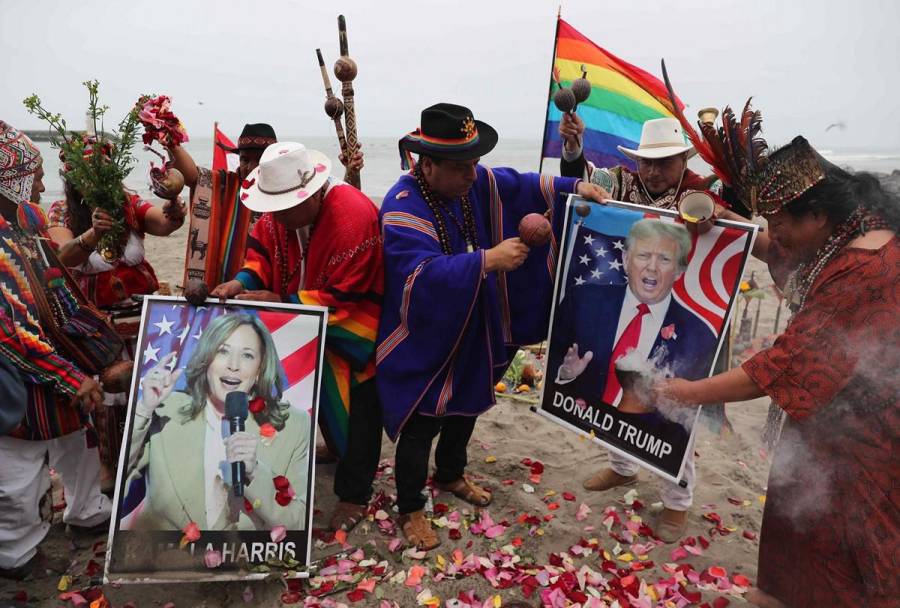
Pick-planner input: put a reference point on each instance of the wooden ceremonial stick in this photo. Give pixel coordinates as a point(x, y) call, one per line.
point(334, 107)
point(345, 70)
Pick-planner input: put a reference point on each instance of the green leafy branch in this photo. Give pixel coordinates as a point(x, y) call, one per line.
point(98, 175)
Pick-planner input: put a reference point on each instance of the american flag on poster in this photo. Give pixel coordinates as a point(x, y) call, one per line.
point(705, 287)
point(178, 328)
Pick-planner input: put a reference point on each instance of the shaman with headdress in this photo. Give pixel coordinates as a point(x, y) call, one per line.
point(831, 526)
point(46, 421)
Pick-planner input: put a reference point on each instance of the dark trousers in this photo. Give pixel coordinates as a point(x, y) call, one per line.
point(356, 470)
point(413, 448)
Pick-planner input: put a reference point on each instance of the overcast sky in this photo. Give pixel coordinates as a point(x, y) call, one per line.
point(807, 64)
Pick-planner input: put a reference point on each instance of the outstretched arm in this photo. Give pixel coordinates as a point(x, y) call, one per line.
point(183, 161)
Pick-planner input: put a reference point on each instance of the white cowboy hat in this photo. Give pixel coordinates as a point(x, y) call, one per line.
point(287, 175)
point(660, 138)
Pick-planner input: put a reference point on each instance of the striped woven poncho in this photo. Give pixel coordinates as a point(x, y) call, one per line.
point(343, 271)
point(51, 380)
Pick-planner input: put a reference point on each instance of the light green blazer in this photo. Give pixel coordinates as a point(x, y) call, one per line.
point(169, 453)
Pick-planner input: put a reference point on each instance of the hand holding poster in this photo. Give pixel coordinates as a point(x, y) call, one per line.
point(217, 465)
point(638, 297)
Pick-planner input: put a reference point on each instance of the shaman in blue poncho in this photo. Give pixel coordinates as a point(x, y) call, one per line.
point(448, 329)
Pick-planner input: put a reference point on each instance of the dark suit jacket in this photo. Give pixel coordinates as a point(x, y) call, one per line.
point(589, 316)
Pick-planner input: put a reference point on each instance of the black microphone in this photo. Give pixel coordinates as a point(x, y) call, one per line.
point(236, 408)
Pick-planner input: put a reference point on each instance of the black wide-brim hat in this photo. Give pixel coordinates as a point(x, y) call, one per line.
point(257, 136)
point(448, 131)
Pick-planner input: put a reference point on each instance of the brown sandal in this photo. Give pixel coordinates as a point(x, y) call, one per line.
point(346, 515)
point(466, 490)
point(418, 531)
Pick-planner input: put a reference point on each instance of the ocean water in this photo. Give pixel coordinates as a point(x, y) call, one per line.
point(382, 161)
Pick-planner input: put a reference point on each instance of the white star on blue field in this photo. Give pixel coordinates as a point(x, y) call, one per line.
point(597, 259)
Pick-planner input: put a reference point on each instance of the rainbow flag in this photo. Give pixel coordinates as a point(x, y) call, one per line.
point(622, 98)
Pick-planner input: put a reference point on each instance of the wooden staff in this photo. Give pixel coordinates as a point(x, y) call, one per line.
point(345, 70)
point(334, 107)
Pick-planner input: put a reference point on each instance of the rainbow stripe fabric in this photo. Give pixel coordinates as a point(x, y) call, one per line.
point(622, 98)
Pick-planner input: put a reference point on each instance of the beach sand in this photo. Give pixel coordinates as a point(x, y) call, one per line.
point(731, 469)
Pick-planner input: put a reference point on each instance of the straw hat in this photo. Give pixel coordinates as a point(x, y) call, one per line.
point(287, 175)
point(660, 138)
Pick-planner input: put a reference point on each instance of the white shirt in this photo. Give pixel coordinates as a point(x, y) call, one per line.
point(651, 323)
point(217, 469)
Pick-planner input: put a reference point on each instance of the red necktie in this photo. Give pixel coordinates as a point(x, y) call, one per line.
point(627, 341)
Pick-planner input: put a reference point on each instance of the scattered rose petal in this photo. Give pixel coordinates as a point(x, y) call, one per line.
point(278, 533)
point(568, 496)
point(583, 512)
point(302, 194)
point(414, 577)
point(528, 489)
point(212, 559)
point(341, 536)
point(320, 167)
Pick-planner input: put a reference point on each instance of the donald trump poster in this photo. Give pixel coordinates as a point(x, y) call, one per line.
point(638, 297)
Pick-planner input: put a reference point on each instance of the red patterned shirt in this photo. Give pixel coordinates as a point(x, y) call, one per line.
point(831, 527)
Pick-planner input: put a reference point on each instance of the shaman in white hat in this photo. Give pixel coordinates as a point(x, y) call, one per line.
point(288, 174)
point(660, 138)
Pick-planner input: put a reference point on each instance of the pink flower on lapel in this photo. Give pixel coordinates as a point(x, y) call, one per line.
point(668, 332)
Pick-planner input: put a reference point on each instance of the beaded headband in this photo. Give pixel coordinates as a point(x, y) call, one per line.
point(785, 175)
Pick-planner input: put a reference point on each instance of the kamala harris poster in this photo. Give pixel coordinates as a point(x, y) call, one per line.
point(215, 478)
point(638, 296)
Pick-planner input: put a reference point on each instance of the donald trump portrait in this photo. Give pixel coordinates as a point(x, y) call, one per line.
point(597, 325)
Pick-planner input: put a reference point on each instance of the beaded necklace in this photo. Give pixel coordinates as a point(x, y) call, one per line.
point(466, 227)
point(859, 222)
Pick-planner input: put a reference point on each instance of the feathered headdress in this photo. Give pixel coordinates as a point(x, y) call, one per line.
point(740, 157)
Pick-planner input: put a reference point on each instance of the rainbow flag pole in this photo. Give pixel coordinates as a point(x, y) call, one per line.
point(551, 88)
point(622, 98)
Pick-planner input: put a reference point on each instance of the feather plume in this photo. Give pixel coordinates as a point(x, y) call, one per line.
point(708, 145)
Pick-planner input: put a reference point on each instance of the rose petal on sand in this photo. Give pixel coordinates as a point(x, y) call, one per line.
point(414, 576)
point(583, 512)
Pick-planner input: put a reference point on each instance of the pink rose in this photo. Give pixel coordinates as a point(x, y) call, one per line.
point(668, 332)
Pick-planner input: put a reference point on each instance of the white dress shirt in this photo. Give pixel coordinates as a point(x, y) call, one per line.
point(217, 469)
